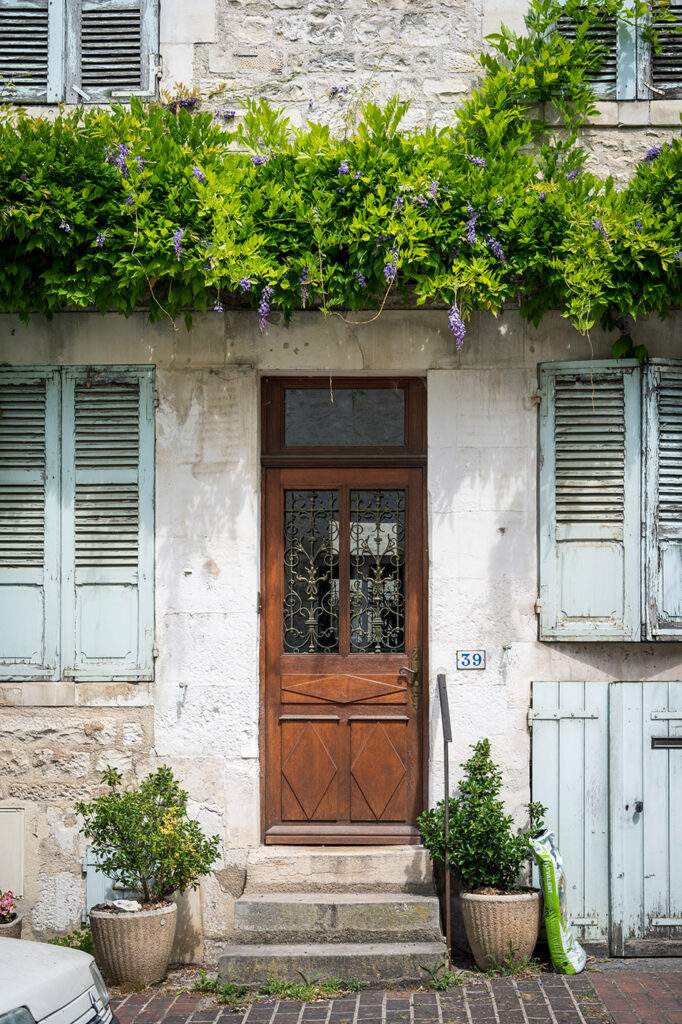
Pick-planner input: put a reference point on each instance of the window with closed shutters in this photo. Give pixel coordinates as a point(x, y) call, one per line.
point(77, 50)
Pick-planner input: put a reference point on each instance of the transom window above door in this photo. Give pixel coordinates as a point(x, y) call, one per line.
point(356, 419)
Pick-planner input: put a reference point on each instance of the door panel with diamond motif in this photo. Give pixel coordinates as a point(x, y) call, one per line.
point(342, 631)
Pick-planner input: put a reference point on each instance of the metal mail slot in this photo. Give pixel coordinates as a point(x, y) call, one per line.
point(666, 742)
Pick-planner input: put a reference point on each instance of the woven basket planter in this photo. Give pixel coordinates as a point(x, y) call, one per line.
point(497, 925)
point(11, 929)
point(134, 948)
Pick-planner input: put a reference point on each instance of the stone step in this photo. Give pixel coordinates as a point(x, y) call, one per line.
point(337, 917)
point(309, 869)
point(380, 963)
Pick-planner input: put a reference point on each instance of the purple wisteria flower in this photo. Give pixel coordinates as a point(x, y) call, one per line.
point(217, 306)
point(678, 257)
point(623, 326)
point(118, 158)
point(500, 200)
point(495, 248)
point(210, 262)
point(598, 225)
point(185, 101)
point(343, 167)
point(360, 278)
point(542, 196)
point(358, 174)
point(456, 325)
point(316, 213)
point(471, 225)
point(177, 241)
point(391, 266)
point(258, 160)
point(420, 201)
point(24, 176)
point(433, 190)
point(264, 307)
point(303, 281)
point(399, 203)
point(139, 163)
point(199, 174)
point(244, 284)
point(338, 90)
point(101, 239)
point(638, 224)
point(341, 191)
point(477, 161)
point(572, 175)
point(130, 201)
point(652, 154)
point(228, 115)
point(65, 227)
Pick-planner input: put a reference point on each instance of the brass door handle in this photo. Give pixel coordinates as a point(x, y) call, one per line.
point(414, 683)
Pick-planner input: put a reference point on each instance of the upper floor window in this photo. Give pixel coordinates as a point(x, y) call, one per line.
point(632, 69)
point(77, 51)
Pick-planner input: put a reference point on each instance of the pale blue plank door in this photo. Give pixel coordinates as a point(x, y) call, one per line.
point(29, 524)
point(569, 723)
point(108, 523)
point(646, 813)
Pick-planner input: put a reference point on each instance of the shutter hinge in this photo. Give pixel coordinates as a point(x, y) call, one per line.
point(155, 396)
point(155, 651)
point(538, 606)
point(68, 673)
point(536, 397)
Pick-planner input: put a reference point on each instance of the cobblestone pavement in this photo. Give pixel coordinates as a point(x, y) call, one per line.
point(551, 998)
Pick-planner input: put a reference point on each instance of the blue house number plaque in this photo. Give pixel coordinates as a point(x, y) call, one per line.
point(470, 659)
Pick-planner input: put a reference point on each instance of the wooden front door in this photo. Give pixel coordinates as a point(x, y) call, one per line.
point(343, 639)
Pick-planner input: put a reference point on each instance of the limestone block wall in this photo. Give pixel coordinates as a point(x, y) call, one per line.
point(201, 713)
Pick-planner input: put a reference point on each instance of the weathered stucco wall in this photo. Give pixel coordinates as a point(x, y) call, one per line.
point(201, 713)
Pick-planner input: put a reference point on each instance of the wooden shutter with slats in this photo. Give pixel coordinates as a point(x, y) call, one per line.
point(606, 34)
point(111, 45)
point(29, 40)
point(107, 523)
point(665, 70)
point(589, 501)
point(29, 524)
point(663, 500)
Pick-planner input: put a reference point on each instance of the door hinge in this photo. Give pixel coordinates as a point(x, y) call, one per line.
point(259, 603)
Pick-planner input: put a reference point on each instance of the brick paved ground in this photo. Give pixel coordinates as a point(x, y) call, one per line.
point(551, 998)
point(641, 998)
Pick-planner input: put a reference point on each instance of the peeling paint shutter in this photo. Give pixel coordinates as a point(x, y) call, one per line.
point(29, 524)
point(666, 66)
point(107, 523)
point(589, 502)
point(606, 34)
point(28, 41)
point(110, 47)
point(663, 500)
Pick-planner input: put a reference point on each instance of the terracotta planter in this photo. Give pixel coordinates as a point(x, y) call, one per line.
point(134, 948)
point(497, 925)
point(11, 929)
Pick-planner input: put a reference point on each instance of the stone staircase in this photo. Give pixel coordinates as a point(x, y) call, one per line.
point(365, 913)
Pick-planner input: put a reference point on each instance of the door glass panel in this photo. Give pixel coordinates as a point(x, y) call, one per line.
point(377, 571)
point(360, 417)
point(311, 567)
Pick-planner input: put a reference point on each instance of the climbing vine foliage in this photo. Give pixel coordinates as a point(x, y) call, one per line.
point(174, 209)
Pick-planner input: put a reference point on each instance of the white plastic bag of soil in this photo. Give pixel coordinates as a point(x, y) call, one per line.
point(567, 954)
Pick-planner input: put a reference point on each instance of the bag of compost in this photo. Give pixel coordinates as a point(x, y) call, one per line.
point(568, 956)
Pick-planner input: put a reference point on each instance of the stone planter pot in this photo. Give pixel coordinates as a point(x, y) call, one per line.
point(134, 948)
point(11, 929)
point(499, 924)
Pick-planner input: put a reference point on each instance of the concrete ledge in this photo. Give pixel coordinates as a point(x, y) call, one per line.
point(381, 963)
point(306, 869)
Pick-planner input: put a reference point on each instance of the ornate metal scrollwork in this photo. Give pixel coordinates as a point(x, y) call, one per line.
point(377, 575)
point(311, 565)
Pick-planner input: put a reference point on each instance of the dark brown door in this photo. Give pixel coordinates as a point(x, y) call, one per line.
point(343, 635)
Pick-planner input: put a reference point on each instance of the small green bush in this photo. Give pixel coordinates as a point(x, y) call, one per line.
point(481, 841)
point(81, 939)
point(143, 838)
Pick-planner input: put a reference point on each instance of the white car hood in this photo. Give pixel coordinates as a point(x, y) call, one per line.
point(41, 977)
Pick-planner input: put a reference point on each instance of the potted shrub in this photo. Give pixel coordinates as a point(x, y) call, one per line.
point(10, 919)
point(501, 917)
point(145, 842)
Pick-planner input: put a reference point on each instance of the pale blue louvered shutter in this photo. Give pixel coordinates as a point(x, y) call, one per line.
point(663, 69)
point(589, 501)
point(108, 523)
point(663, 500)
point(31, 51)
point(112, 49)
point(29, 524)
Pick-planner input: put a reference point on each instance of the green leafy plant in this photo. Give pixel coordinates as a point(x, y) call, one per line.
point(81, 939)
point(306, 990)
point(513, 967)
point(236, 997)
point(441, 977)
point(482, 843)
point(143, 838)
point(161, 207)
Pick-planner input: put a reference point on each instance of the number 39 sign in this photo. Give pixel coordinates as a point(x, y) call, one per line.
point(470, 659)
